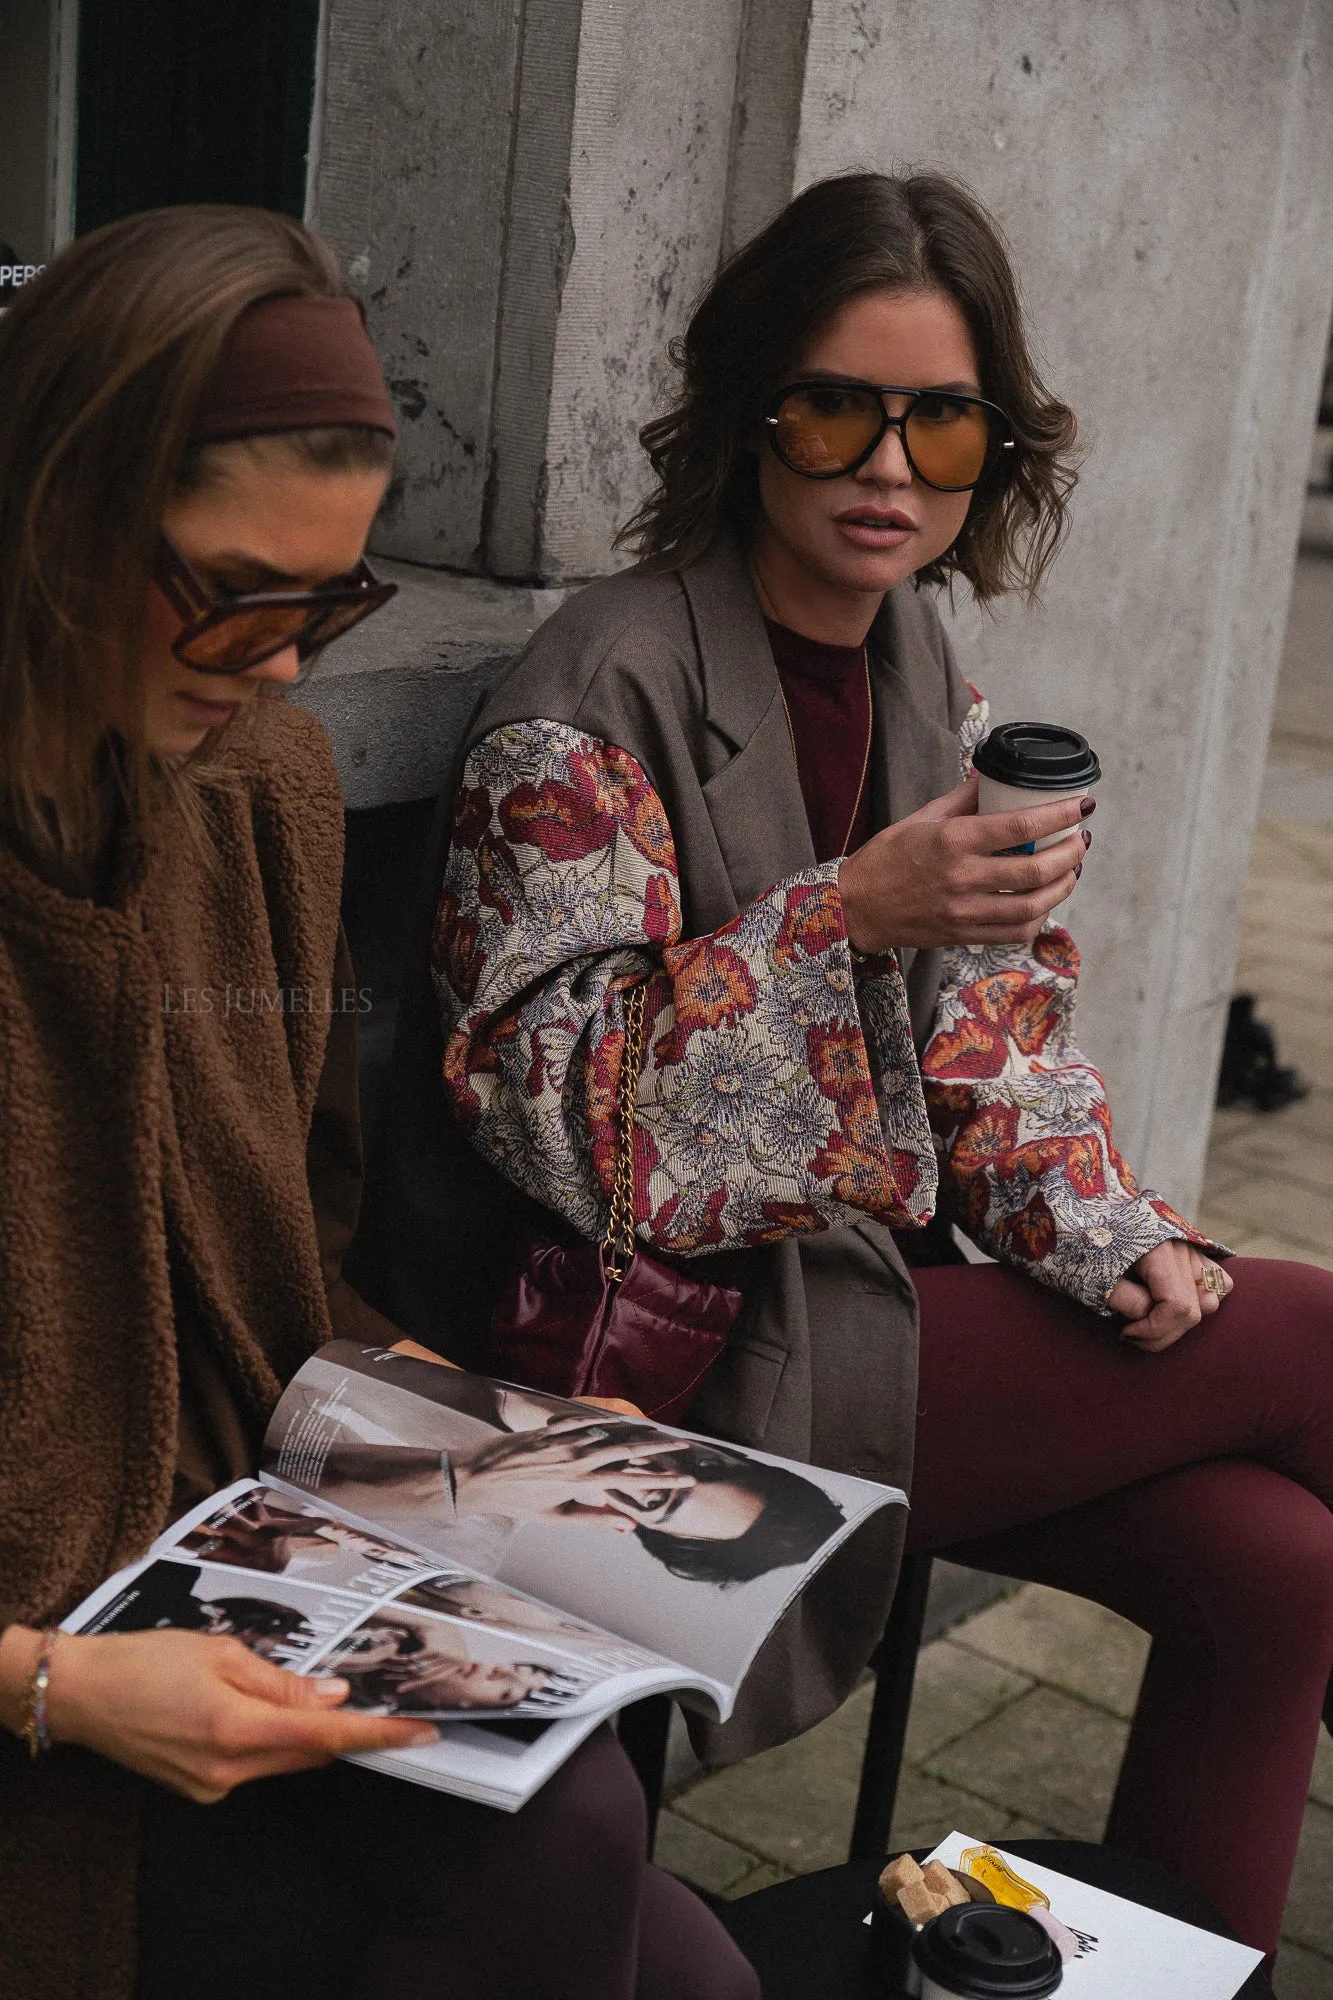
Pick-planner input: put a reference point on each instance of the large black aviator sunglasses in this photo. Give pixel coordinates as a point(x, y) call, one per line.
point(823, 429)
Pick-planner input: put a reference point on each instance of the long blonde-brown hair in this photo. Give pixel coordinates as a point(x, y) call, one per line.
point(103, 359)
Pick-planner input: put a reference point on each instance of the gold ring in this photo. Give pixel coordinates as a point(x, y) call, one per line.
point(1211, 1279)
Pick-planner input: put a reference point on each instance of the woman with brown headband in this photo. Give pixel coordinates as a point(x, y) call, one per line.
point(194, 440)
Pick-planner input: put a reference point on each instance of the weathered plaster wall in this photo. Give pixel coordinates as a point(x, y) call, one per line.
point(648, 178)
point(1165, 175)
point(410, 186)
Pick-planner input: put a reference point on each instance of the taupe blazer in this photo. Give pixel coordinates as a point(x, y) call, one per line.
point(676, 669)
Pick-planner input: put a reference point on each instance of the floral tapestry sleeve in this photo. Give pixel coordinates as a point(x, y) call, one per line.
point(972, 729)
point(757, 1110)
point(1028, 1165)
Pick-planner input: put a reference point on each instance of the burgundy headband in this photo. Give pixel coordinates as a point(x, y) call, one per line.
point(291, 364)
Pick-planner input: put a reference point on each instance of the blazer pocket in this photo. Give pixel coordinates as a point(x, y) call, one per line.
point(737, 1398)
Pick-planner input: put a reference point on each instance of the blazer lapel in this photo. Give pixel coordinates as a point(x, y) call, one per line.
point(913, 752)
point(754, 801)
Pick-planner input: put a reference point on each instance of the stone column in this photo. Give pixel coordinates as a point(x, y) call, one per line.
point(529, 197)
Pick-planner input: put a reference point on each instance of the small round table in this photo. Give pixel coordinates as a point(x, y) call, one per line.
point(807, 1938)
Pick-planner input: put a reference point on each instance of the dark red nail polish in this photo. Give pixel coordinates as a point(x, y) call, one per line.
point(1087, 836)
point(1087, 807)
point(1078, 870)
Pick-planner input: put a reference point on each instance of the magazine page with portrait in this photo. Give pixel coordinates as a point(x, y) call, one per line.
point(512, 1684)
point(678, 1543)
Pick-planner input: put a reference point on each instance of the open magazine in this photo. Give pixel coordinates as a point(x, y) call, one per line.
point(508, 1565)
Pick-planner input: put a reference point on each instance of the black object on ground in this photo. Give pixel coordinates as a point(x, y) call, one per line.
point(1250, 1067)
point(808, 1937)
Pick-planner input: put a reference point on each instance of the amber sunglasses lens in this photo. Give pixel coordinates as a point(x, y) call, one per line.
point(948, 441)
point(244, 637)
point(339, 618)
point(821, 429)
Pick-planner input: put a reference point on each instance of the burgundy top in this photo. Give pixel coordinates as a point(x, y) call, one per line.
point(829, 704)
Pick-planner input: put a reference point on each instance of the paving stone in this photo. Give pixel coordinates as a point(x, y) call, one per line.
point(764, 1876)
point(929, 1808)
point(1270, 1207)
point(1309, 1918)
point(1230, 1123)
point(792, 1806)
point(1047, 1756)
point(1279, 1148)
point(1321, 1784)
point(1312, 1114)
point(1302, 1975)
point(1301, 982)
point(1223, 1229)
point(1063, 1640)
point(954, 1690)
point(700, 1857)
point(1226, 1172)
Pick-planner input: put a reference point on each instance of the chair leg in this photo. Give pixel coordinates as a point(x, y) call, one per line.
point(895, 1671)
point(642, 1729)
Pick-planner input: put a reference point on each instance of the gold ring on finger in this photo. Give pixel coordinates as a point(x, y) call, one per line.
point(1211, 1279)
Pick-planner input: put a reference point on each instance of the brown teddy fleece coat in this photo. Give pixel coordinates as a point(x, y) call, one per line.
point(170, 1060)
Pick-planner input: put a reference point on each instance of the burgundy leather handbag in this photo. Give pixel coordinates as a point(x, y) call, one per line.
point(604, 1319)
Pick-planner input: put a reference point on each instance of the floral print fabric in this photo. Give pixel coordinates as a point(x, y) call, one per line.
point(758, 1109)
point(780, 1090)
point(1028, 1164)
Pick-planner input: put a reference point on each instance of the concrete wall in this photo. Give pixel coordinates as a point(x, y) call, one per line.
point(531, 194)
point(1165, 175)
point(650, 153)
point(410, 186)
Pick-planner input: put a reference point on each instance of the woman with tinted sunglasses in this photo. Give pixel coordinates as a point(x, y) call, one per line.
point(194, 440)
point(741, 773)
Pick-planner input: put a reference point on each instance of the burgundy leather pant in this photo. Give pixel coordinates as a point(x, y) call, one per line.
point(1189, 1491)
point(343, 1884)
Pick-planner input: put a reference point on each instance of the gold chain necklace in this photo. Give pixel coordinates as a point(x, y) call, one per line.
point(865, 761)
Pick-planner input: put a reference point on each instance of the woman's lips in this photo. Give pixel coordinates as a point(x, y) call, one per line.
point(211, 713)
point(867, 528)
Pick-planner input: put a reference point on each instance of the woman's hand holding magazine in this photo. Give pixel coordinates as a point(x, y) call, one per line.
point(202, 1715)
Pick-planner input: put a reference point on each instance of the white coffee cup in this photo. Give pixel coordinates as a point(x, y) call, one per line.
point(1024, 764)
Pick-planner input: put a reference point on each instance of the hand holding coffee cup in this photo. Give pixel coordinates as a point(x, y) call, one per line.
point(955, 873)
point(1025, 762)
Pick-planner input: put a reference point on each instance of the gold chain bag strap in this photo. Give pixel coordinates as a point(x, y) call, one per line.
point(618, 1242)
point(607, 1319)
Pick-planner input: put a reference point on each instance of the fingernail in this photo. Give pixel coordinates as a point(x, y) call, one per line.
point(1088, 808)
point(1078, 870)
point(1087, 836)
point(334, 1689)
point(421, 1737)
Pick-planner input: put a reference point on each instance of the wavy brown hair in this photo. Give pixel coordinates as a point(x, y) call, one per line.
point(850, 234)
point(103, 359)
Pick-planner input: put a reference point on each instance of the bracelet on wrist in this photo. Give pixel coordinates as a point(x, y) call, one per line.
point(34, 1731)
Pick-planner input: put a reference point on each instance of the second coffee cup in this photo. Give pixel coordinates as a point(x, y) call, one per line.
point(982, 1952)
point(1022, 764)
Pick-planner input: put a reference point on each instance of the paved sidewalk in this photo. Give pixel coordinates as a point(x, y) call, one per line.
point(1020, 1713)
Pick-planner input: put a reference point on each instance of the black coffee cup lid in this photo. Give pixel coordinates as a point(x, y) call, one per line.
point(1039, 756)
point(983, 1952)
